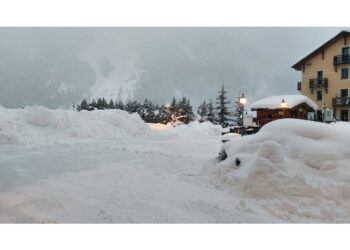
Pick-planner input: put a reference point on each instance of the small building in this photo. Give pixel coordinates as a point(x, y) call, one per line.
point(284, 106)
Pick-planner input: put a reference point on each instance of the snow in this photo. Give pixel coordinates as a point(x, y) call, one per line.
point(274, 102)
point(60, 166)
point(41, 126)
point(299, 174)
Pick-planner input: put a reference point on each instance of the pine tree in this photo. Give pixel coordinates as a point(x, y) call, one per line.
point(111, 104)
point(104, 103)
point(83, 105)
point(223, 115)
point(99, 104)
point(237, 113)
point(119, 105)
point(94, 104)
point(162, 116)
point(210, 112)
point(203, 112)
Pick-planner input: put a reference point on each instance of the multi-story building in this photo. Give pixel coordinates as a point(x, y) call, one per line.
point(325, 76)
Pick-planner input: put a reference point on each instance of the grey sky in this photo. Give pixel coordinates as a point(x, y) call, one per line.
point(58, 66)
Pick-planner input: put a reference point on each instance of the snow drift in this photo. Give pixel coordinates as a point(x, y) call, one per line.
point(194, 129)
point(39, 125)
point(300, 168)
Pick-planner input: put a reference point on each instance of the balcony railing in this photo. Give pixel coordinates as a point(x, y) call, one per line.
point(341, 101)
point(341, 59)
point(299, 86)
point(318, 83)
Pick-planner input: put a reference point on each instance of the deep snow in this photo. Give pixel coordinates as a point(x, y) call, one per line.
point(109, 167)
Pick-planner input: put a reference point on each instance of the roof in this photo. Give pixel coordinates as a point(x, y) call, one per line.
point(299, 64)
point(274, 102)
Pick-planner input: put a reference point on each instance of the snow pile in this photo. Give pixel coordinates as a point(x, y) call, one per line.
point(194, 129)
point(299, 168)
point(274, 102)
point(39, 125)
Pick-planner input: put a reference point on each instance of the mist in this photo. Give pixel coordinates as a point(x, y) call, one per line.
point(56, 67)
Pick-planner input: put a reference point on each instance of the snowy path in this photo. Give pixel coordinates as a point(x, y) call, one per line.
point(149, 179)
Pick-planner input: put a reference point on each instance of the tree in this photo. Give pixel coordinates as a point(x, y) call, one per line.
point(210, 112)
point(83, 105)
point(104, 103)
point(99, 104)
point(223, 115)
point(238, 113)
point(119, 105)
point(94, 104)
point(203, 112)
point(111, 104)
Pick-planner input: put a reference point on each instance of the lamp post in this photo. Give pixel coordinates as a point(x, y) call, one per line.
point(283, 105)
point(242, 101)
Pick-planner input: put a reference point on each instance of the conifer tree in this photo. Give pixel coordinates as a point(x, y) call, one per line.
point(210, 112)
point(223, 115)
point(94, 104)
point(203, 112)
point(84, 105)
point(237, 113)
point(99, 103)
point(111, 104)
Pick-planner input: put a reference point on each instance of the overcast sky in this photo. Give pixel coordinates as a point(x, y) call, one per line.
point(59, 66)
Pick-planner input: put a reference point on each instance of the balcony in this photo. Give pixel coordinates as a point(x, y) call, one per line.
point(318, 83)
point(299, 86)
point(341, 101)
point(341, 59)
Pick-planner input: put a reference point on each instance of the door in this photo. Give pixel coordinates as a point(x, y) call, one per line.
point(344, 115)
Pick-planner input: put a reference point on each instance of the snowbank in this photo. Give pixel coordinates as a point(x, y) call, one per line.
point(39, 125)
point(300, 167)
point(193, 129)
point(274, 102)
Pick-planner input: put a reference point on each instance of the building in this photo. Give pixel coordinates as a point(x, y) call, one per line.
point(325, 77)
point(286, 106)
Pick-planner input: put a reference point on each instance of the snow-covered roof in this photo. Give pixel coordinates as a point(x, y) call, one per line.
point(274, 102)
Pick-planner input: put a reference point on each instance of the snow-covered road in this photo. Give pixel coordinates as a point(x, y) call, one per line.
point(154, 178)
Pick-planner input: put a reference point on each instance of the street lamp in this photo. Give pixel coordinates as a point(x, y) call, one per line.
point(283, 105)
point(242, 101)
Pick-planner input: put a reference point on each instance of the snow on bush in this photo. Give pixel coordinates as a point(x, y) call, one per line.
point(39, 125)
point(302, 167)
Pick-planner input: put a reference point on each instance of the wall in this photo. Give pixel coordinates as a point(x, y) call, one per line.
point(334, 82)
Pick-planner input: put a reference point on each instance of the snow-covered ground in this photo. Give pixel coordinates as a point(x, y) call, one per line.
point(60, 166)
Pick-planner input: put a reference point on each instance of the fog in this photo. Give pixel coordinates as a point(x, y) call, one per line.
point(57, 67)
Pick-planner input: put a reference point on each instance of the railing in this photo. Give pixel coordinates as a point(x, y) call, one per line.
point(299, 86)
point(341, 59)
point(341, 101)
point(318, 83)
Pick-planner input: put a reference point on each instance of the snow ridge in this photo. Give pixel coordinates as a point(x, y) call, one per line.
point(38, 125)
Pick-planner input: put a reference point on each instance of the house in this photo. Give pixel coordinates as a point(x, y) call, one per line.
point(325, 76)
point(284, 106)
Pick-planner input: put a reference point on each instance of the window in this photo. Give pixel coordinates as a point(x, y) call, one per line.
point(319, 95)
point(345, 54)
point(344, 93)
point(319, 74)
point(345, 73)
